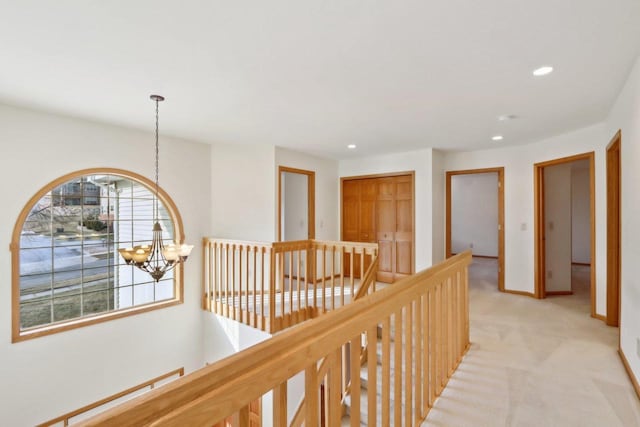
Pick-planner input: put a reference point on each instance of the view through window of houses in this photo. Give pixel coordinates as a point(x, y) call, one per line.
point(69, 262)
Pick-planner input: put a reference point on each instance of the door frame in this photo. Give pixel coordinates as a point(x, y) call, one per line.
point(539, 223)
point(614, 226)
point(311, 200)
point(412, 174)
point(501, 245)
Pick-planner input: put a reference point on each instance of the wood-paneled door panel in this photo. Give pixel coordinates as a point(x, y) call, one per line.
point(381, 210)
point(404, 226)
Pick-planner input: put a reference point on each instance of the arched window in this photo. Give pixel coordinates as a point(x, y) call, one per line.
point(66, 268)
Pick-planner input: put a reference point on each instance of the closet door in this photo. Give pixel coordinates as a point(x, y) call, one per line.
point(380, 210)
point(386, 229)
point(394, 227)
point(351, 220)
point(403, 244)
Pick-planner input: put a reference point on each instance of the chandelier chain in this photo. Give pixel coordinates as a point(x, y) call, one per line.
point(157, 148)
point(156, 259)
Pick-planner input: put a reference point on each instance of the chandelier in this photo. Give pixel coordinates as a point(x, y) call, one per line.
point(157, 258)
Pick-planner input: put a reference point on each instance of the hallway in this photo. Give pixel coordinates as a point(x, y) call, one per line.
point(536, 362)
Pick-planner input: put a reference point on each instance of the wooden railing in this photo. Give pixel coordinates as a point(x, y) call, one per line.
point(65, 419)
point(419, 329)
point(271, 286)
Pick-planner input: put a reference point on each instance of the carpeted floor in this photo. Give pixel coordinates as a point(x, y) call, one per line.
point(536, 362)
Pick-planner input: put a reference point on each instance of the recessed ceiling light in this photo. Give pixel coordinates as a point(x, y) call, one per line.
point(542, 71)
point(351, 146)
point(497, 138)
point(506, 117)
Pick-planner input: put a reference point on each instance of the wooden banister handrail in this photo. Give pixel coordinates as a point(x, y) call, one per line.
point(216, 391)
point(151, 383)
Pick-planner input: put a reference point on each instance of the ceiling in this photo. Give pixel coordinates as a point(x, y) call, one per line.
point(317, 75)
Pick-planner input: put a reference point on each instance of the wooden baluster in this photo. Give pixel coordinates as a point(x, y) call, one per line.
point(408, 350)
point(280, 405)
point(335, 388)
point(454, 321)
point(461, 314)
point(342, 275)
point(352, 274)
point(432, 346)
point(425, 354)
point(298, 274)
point(218, 278)
point(280, 256)
point(314, 275)
point(226, 282)
point(361, 255)
point(465, 287)
point(450, 353)
point(306, 280)
point(272, 290)
point(397, 371)
point(445, 331)
point(233, 280)
point(255, 287)
point(205, 274)
point(373, 285)
point(458, 316)
point(324, 273)
point(418, 348)
point(386, 371)
point(311, 396)
point(345, 363)
point(290, 282)
point(333, 281)
point(372, 369)
point(246, 279)
point(262, 289)
point(441, 338)
point(243, 416)
point(355, 350)
point(239, 285)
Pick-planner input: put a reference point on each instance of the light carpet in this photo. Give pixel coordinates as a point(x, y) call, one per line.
point(536, 362)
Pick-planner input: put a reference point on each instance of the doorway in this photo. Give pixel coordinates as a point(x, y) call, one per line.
point(380, 209)
point(496, 217)
point(296, 204)
point(614, 265)
point(557, 214)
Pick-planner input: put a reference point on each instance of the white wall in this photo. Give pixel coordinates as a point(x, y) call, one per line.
point(44, 377)
point(243, 192)
point(580, 218)
point(518, 163)
point(438, 206)
point(474, 213)
point(625, 115)
point(557, 204)
point(420, 162)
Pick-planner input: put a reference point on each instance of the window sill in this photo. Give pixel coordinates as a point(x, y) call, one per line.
point(67, 325)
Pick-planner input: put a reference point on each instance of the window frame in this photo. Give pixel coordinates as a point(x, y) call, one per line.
point(17, 334)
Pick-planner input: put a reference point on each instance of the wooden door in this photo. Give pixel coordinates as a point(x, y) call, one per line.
point(350, 220)
point(380, 210)
point(386, 229)
point(358, 217)
point(403, 244)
